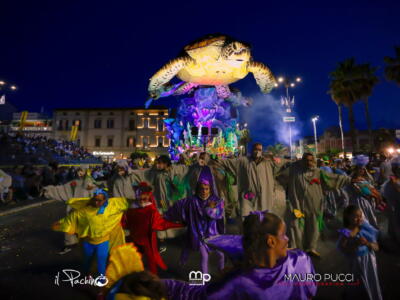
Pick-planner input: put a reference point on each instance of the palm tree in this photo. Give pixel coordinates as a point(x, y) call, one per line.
point(340, 113)
point(350, 83)
point(392, 68)
point(370, 80)
point(344, 90)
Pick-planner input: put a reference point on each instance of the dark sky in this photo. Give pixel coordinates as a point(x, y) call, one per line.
point(102, 53)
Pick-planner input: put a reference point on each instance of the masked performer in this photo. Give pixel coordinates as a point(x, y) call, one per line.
point(143, 219)
point(97, 221)
point(306, 184)
point(203, 215)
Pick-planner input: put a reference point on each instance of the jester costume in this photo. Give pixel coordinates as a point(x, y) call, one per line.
point(100, 228)
point(203, 217)
point(256, 283)
point(143, 222)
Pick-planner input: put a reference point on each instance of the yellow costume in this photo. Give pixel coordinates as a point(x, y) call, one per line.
point(124, 260)
point(95, 228)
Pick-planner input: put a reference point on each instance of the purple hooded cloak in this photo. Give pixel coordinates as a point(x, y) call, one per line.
point(254, 284)
point(202, 221)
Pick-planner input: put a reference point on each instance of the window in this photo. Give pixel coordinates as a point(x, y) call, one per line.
point(161, 125)
point(97, 141)
point(110, 141)
point(97, 123)
point(160, 141)
point(66, 125)
point(129, 142)
point(64, 113)
point(78, 113)
point(132, 113)
point(110, 123)
point(161, 113)
point(99, 113)
point(111, 113)
point(132, 124)
point(60, 125)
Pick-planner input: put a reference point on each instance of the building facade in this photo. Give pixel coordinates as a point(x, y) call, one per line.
point(35, 124)
point(114, 133)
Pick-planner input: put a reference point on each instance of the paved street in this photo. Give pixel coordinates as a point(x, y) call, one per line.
point(29, 260)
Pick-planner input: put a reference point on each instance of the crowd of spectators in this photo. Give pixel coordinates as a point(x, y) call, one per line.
point(23, 149)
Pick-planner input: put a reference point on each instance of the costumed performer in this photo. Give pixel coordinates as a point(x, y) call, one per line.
point(262, 265)
point(358, 241)
point(203, 214)
point(82, 186)
point(127, 279)
point(97, 221)
point(142, 221)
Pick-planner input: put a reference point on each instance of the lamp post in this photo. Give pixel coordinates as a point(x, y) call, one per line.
point(4, 87)
point(314, 120)
point(288, 104)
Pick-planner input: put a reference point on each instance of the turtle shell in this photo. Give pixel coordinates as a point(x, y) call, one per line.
point(206, 41)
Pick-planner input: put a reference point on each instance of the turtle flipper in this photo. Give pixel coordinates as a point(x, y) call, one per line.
point(165, 74)
point(185, 88)
point(263, 76)
point(223, 91)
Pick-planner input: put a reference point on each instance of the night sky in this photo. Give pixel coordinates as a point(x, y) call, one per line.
point(101, 54)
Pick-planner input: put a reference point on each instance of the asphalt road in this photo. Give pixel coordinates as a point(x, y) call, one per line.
point(29, 261)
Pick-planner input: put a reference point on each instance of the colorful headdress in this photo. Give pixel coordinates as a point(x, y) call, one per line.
point(144, 188)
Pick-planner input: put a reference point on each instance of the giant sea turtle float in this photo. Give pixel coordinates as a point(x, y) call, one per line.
point(214, 60)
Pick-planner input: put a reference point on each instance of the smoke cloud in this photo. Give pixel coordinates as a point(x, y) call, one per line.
point(265, 121)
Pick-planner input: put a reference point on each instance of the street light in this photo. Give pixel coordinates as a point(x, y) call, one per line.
point(4, 86)
point(314, 120)
point(288, 104)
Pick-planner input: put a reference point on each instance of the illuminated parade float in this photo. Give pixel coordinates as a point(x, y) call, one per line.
point(207, 117)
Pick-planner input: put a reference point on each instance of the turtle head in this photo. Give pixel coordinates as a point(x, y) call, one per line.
point(236, 52)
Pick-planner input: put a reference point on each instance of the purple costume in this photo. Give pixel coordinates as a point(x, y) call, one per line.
point(254, 284)
point(202, 221)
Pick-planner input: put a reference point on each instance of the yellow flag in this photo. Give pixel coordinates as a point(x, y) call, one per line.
point(24, 116)
point(74, 133)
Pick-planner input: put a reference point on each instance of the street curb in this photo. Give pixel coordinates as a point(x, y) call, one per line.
point(17, 209)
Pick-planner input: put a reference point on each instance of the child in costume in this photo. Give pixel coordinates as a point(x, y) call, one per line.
point(203, 214)
point(97, 221)
point(143, 220)
point(363, 194)
point(358, 241)
point(127, 279)
point(262, 262)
